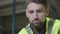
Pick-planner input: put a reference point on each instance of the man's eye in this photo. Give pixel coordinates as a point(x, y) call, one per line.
point(39, 11)
point(31, 12)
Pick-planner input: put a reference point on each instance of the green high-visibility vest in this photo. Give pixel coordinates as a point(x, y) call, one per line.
point(55, 28)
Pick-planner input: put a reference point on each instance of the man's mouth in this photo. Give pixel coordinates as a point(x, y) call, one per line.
point(36, 22)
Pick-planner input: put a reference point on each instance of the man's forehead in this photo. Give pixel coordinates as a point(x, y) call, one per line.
point(34, 6)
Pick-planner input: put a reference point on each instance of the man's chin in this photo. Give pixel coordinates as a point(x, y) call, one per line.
point(37, 24)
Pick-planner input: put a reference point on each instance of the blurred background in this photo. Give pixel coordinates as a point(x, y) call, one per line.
point(6, 9)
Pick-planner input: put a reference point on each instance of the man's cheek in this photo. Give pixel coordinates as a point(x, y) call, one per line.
point(41, 17)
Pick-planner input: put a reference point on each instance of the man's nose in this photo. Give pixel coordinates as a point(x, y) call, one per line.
point(35, 15)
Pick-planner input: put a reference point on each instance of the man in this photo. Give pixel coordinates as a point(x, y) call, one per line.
point(39, 23)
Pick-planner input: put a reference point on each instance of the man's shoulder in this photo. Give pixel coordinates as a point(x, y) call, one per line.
point(56, 20)
point(22, 31)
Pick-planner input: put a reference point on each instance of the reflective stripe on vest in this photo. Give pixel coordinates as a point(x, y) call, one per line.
point(28, 29)
point(50, 25)
point(59, 32)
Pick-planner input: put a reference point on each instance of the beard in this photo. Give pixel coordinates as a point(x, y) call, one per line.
point(38, 24)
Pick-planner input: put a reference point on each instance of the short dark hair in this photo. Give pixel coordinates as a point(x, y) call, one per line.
point(44, 2)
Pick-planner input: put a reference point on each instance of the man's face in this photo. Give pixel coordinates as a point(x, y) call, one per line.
point(36, 13)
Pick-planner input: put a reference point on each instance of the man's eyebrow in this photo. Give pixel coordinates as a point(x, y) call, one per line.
point(39, 9)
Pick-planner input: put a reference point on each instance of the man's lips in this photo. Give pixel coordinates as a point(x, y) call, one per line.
point(36, 21)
